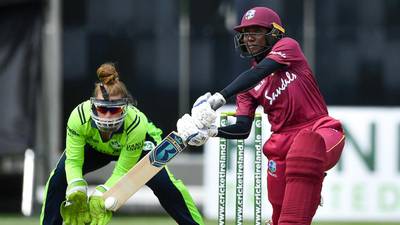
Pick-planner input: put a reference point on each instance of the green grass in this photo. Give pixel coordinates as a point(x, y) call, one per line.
point(153, 220)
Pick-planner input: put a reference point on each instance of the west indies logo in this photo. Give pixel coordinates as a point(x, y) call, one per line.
point(250, 14)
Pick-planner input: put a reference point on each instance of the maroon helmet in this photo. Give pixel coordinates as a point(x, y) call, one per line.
point(259, 16)
point(262, 17)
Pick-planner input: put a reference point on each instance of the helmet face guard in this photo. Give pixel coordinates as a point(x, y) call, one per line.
point(115, 107)
point(271, 37)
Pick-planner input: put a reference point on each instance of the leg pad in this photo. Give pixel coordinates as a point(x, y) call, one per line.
point(304, 176)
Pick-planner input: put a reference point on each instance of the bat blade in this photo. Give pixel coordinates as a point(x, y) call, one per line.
point(145, 169)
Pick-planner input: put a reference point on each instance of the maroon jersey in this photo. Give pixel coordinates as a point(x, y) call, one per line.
point(290, 96)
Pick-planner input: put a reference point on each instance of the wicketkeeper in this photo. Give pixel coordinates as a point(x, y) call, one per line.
point(106, 128)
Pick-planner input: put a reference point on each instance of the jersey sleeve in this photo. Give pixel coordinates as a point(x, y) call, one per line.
point(131, 152)
point(246, 105)
point(154, 132)
point(75, 143)
point(286, 51)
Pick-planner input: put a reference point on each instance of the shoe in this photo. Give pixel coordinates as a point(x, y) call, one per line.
point(268, 222)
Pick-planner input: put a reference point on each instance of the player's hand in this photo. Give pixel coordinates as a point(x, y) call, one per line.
point(216, 100)
point(212, 131)
point(203, 135)
point(187, 128)
point(98, 212)
point(75, 209)
point(190, 133)
point(203, 114)
point(100, 215)
point(200, 138)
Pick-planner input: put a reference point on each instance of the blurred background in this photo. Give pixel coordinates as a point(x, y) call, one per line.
point(169, 53)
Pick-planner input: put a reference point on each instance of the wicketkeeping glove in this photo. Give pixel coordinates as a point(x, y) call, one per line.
point(75, 209)
point(100, 215)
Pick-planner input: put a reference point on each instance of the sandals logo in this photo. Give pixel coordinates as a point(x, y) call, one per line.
point(278, 91)
point(281, 54)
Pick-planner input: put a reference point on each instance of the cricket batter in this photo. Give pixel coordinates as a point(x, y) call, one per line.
point(305, 140)
point(106, 128)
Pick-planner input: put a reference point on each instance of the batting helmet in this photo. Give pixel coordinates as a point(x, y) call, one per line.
point(262, 17)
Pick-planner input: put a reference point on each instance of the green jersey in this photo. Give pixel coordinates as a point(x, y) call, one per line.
point(127, 142)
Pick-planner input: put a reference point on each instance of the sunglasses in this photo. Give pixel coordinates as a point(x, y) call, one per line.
point(105, 109)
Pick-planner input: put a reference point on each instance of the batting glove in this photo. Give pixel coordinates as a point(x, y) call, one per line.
point(186, 128)
point(203, 135)
point(203, 114)
point(98, 212)
point(216, 101)
point(190, 133)
point(75, 209)
point(200, 138)
point(212, 131)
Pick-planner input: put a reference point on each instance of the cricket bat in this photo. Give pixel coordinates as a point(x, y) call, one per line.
point(143, 171)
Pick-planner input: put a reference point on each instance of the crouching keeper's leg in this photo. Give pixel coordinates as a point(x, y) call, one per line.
point(175, 198)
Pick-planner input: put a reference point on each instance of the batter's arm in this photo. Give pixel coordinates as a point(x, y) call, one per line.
point(251, 77)
point(240, 130)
